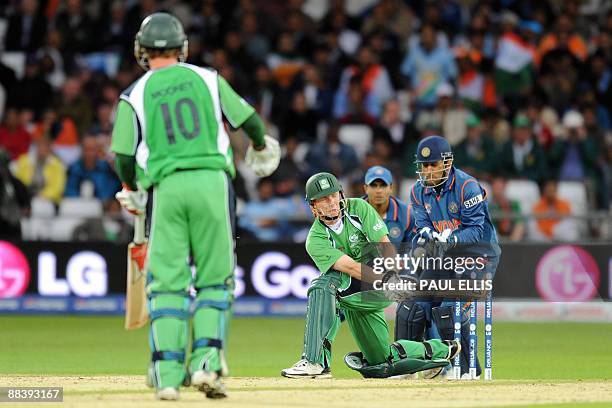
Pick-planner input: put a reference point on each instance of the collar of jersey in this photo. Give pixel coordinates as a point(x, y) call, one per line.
point(450, 183)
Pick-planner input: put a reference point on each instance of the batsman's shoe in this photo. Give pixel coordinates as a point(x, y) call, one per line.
point(305, 369)
point(167, 394)
point(209, 383)
point(454, 348)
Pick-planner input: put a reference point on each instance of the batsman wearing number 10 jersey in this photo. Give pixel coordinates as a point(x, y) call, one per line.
point(169, 135)
point(341, 242)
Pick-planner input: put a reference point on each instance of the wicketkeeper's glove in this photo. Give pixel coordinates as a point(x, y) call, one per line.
point(265, 161)
point(445, 240)
point(134, 202)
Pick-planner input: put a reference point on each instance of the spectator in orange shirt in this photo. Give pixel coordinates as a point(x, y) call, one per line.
point(564, 37)
point(550, 212)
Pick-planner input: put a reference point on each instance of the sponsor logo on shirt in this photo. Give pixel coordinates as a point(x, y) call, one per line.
point(473, 201)
point(353, 238)
point(378, 226)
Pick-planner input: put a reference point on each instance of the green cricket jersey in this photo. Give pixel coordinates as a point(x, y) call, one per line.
point(172, 118)
point(361, 225)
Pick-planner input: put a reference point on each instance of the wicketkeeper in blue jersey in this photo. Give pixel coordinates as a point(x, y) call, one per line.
point(450, 209)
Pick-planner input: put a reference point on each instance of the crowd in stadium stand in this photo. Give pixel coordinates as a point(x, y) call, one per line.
point(521, 89)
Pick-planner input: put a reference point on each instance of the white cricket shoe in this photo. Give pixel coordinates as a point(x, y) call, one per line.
point(305, 369)
point(167, 394)
point(209, 383)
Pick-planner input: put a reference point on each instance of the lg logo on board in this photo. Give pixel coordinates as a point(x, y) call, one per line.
point(14, 271)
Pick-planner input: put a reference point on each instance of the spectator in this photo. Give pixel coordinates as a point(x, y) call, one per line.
point(475, 89)
point(522, 157)
point(564, 37)
point(32, 91)
point(51, 61)
point(300, 122)
point(514, 64)
point(41, 172)
point(393, 128)
point(91, 172)
point(75, 27)
point(506, 213)
point(374, 81)
point(428, 64)
point(574, 156)
point(256, 45)
point(14, 137)
point(75, 105)
point(331, 155)
point(63, 134)
point(448, 115)
point(26, 28)
point(355, 110)
point(551, 214)
point(476, 153)
point(268, 219)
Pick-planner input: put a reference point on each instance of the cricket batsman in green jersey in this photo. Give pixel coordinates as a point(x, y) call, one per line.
point(169, 136)
point(341, 243)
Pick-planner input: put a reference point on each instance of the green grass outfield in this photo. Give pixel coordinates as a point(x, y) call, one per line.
point(53, 345)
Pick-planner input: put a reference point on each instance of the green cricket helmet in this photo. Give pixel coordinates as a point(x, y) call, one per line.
point(321, 185)
point(159, 31)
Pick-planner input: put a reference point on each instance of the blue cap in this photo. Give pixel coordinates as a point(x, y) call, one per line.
point(531, 25)
point(432, 149)
point(378, 173)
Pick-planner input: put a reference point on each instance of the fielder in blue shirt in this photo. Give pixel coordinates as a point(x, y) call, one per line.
point(450, 208)
point(396, 214)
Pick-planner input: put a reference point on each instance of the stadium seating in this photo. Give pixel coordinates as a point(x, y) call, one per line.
point(526, 192)
point(358, 136)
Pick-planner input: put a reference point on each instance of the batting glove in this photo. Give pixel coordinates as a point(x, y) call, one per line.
point(264, 162)
point(135, 202)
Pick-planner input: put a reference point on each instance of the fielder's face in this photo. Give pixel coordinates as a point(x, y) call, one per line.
point(378, 192)
point(433, 173)
point(327, 208)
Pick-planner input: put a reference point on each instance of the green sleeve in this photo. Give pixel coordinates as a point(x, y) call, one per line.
point(322, 252)
point(125, 166)
point(235, 109)
point(255, 129)
point(125, 130)
point(373, 226)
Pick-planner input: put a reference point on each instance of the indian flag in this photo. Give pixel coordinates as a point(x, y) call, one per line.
point(514, 54)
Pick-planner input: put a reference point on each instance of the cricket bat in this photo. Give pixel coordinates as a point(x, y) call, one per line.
point(136, 314)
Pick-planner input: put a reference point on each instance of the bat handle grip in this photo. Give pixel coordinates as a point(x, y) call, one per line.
point(139, 229)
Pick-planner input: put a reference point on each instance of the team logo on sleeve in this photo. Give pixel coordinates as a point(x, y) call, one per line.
point(473, 201)
point(453, 207)
point(378, 226)
point(395, 232)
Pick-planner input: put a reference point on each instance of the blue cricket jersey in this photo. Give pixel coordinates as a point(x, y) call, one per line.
point(461, 206)
point(399, 220)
